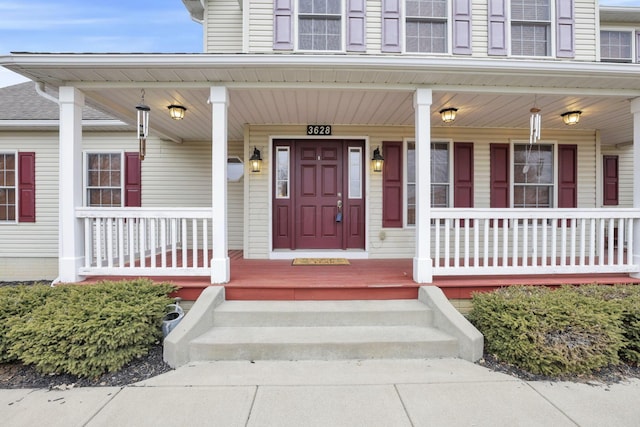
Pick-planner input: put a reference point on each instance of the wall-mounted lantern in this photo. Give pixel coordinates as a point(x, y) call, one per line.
point(255, 160)
point(377, 160)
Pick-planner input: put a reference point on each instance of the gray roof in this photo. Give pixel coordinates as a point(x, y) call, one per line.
point(22, 102)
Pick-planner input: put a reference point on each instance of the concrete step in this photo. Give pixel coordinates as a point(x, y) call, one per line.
point(323, 313)
point(322, 343)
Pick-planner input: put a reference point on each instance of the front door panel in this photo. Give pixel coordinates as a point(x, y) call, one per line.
point(321, 211)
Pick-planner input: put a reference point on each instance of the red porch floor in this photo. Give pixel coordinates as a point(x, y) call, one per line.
point(361, 279)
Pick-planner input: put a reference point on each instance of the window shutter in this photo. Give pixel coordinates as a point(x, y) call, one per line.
point(463, 175)
point(497, 27)
point(565, 29)
point(462, 27)
point(391, 26)
point(132, 180)
point(392, 202)
point(638, 46)
point(499, 175)
point(27, 187)
point(282, 25)
point(610, 181)
point(568, 176)
point(356, 28)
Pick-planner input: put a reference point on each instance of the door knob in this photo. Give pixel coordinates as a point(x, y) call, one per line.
point(339, 204)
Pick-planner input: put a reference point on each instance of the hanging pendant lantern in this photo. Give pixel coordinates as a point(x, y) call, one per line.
point(535, 124)
point(143, 125)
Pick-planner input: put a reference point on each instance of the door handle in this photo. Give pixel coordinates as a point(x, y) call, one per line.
point(339, 204)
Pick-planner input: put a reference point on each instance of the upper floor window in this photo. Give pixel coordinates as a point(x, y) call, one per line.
point(7, 187)
point(426, 26)
point(616, 46)
point(320, 25)
point(530, 27)
point(539, 28)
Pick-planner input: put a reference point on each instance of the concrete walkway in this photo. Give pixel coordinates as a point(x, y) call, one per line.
point(434, 392)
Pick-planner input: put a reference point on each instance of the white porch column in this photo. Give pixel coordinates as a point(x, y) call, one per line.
point(422, 263)
point(635, 111)
point(70, 230)
point(220, 267)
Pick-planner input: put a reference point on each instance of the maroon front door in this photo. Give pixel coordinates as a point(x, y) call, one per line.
point(318, 194)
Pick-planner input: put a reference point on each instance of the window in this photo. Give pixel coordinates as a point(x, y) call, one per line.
point(426, 26)
point(282, 172)
point(530, 27)
point(104, 179)
point(7, 187)
point(440, 178)
point(320, 25)
point(355, 173)
point(616, 46)
point(533, 176)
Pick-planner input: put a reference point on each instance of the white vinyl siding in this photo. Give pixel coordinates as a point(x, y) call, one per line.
point(223, 31)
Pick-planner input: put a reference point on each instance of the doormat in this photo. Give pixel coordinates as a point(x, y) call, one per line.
point(320, 261)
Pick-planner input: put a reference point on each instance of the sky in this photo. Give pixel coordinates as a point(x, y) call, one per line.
point(107, 26)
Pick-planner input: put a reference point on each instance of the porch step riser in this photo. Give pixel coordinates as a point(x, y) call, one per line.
point(323, 343)
point(322, 313)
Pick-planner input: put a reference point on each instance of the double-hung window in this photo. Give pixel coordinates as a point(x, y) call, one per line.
point(531, 27)
point(426, 26)
point(8, 186)
point(616, 46)
point(320, 25)
point(104, 179)
point(440, 178)
point(533, 176)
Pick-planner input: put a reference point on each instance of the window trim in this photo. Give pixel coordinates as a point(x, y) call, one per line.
point(554, 185)
point(296, 28)
point(552, 32)
point(448, 20)
point(85, 174)
point(16, 190)
point(633, 31)
point(405, 173)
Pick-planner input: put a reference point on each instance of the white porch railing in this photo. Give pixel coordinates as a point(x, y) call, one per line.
point(532, 241)
point(146, 241)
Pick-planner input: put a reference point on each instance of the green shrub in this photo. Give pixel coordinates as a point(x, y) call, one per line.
point(549, 332)
point(87, 330)
point(627, 300)
point(15, 302)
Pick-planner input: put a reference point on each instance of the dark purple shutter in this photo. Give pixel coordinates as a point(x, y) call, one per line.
point(356, 28)
point(391, 26)
point(27, 187)
point(392, 202)
point(499, 175)
point(132, 180)
point(282, 25)
point(610, 181)
point(638, 46)
point(567, 176)
point(462, 27)
point(565, 30)
point(497, 27)
point(463, 175)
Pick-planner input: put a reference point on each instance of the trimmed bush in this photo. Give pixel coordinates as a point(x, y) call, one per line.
point(16, 302)
point(87, 330)
point(549, 332)
point(627, 300)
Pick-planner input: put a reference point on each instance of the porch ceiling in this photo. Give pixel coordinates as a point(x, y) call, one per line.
point(367, 90)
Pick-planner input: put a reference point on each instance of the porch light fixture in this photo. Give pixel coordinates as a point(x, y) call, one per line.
point(571, 117)
point(176, 111)
point(143, 125)
point(255, 160)
point(448, 114)
point(377, 160)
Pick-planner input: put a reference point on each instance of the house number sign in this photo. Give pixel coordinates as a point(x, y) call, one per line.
point(318, 129)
